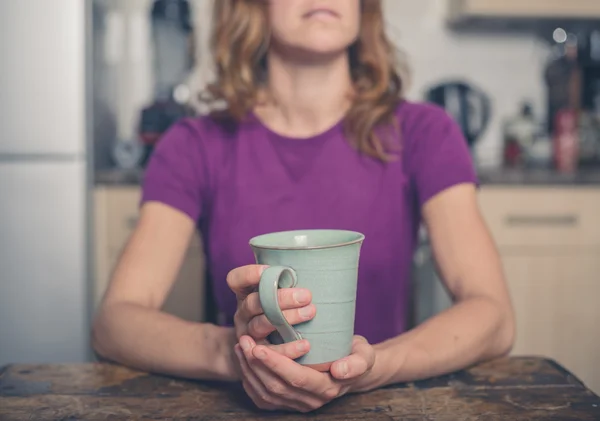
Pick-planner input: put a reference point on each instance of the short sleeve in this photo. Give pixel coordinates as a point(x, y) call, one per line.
point(439, 155)
point(173, 175)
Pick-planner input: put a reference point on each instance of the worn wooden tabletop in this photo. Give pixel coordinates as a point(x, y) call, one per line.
point(509, 389)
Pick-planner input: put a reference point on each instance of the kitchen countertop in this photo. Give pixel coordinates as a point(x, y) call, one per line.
point(517, 389)
point(537, 177)
point(118, 177)
point(511, 177)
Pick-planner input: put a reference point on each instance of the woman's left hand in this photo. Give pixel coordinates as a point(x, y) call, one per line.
point(276, 382)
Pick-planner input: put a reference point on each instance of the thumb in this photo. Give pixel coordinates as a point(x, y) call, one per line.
point(244, 280)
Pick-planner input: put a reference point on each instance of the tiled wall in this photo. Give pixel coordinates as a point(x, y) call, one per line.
point(508, 67)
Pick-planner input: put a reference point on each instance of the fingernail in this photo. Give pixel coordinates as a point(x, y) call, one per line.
point(245, 344)
point(305, 312)
point(301, 346)
point(262, 269)
point(260, 354)
point(343, 367)
point(301, 297)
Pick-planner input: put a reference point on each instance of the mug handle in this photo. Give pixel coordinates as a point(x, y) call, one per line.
point(273, 278)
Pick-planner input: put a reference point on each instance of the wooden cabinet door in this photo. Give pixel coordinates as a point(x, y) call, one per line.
point(539, 217)
point(186, 299)
point(557, 305)
point(116, 214)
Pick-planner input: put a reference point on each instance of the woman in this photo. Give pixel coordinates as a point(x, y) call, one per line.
point(314, 135)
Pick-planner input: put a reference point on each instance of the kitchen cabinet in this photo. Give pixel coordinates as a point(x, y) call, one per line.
point(542, 218)
point(555, 297)
point(549, 242)
point(115, 217)
point(464, 11)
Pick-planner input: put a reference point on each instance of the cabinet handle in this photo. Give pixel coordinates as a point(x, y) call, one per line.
point(542, 220)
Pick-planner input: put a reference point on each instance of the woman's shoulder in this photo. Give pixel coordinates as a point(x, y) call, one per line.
point(436, 153)
point(184, 163)
point(427, 125)
point(198, 136)
point(414, 116)
point(202, 129)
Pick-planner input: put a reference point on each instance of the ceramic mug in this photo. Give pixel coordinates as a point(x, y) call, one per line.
point(326, 263)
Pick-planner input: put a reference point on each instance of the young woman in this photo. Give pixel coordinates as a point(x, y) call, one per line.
point(314, 134)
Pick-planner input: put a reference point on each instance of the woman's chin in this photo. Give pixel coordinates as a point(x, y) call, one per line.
point(312, 50)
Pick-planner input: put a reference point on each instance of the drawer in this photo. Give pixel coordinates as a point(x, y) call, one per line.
point(551, 217)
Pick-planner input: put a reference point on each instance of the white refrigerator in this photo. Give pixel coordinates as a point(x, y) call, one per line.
point(44, 181)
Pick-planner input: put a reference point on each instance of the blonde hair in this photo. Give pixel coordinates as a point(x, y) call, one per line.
point(239, 45)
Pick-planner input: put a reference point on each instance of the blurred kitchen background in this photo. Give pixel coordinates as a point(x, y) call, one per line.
point(88, 87)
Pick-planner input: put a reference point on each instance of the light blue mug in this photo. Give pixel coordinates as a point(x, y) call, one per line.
point(326, 263)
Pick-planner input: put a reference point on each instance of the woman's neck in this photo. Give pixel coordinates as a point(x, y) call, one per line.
point(304, 100)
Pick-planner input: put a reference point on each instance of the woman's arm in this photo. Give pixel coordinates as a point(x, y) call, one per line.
point(480, 324)
point(130, 328)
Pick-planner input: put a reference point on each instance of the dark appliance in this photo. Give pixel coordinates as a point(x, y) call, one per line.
point(467, 104)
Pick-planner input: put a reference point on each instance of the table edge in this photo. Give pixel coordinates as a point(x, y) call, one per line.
point(574, 379)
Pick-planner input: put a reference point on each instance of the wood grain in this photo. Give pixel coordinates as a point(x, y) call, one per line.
point(515, 389)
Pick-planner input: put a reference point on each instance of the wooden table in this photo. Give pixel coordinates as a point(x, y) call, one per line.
point(509, 389)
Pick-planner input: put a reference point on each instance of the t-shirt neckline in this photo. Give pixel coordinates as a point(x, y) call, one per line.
point(319, 137)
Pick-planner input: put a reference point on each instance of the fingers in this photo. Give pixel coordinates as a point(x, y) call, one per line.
point(288, 298)
point(250, 320)
point(270, 387)
point(357, 363)
point(243, 280)
point(253, 386)
point(260, 327)
point(290, 372)
point(292, 350)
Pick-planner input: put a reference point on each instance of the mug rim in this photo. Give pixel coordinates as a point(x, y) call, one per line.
point(359, 238)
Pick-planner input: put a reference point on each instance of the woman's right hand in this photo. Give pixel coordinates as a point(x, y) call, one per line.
point(249, 318)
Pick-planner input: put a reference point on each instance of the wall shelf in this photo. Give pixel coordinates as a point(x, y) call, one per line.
point(522, 14)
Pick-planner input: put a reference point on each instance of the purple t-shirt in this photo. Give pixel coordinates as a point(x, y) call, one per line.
point(242, 182)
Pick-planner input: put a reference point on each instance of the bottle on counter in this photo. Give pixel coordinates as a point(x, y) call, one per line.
point(564, 81)
point(521, 133)
point(566, 141)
